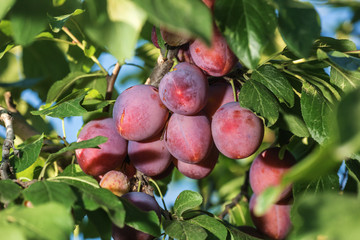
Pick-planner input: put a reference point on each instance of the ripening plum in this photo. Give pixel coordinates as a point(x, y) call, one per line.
point(209, 3)
point(149, 157)
point(237, 132)
point(275, 223)
point(201, 169)
point(115, 181)
point(216, 60)
point(220, 93)
point(267, 170)
point(154, 38)
point(139, 113)
point(94, 161)
point(184, 90)
point(188, 138)
point(145, 203)
point(184, 55)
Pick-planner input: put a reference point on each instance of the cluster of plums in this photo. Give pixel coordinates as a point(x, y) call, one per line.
point(184, 123)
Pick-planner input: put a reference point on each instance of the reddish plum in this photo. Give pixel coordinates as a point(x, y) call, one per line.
point(220, 93)
point(111, 154)
point(267, 170)
point(275, 223)
point(184, 90)
point(216, 60)
point(237, 132)
point(188, 138)
point(201, 169)
point(139, 113)
point(165, 173)
point(150, 157)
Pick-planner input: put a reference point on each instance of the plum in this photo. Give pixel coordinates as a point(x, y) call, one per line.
point(111, 154)
point(139, 114)
point(115, 181)
point(184, 90)
point(149, 157)
point(201, 169)
point(237, 132)
point(275, 223)
point(188, 138)
point(267, 170)
point(145, 203)
point(216, 60)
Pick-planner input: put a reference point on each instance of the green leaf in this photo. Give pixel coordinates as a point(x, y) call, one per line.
point(354, 167)
point(61, 86)
point(144, 221)
point(188, 16)
point(299, 25)
point(341, 45)
point(247, 26)
point(66, 107)
point(103, 198)
point(216, 229)
point(187, 200)
point(28, 154)
point(45, 191)
point(100, 222)
point(47, 221)
point(239, 235)
point(267, 198)
point(5, 7)
point(344, 61)
point(294, 123)
point(27, 13)
point(326, 183)
point(276, 82)
point(182, 230)
point(345, 80)
point(115, 24)
point(318, 114)
point(315, 217)
point(57, 22)
point(259, 99)
point(74, 176)
point(9, 191)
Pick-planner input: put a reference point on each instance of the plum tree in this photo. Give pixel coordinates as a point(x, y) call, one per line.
point(111, 154)
point(268, 168)
point(145, 203)
point(115, 181)
point(139, 113)
point(275, 223)
point(237, 132)
point(184, 90)
point(188, 138)
point(150, 157)
point(216, 60)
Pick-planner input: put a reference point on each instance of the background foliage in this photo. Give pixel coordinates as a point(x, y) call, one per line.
point(305, 86)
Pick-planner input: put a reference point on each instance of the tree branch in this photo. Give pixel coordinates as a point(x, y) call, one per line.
point(110, 84)
point(5, 168)
point(235, 200)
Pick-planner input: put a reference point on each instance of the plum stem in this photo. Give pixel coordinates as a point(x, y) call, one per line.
point(237, 198)
point(82, 47)
point(5, 167)
point(161, 196)
point(110, 84)
point(234, 89)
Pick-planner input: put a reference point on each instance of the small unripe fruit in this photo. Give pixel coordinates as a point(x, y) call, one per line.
point(115, 181)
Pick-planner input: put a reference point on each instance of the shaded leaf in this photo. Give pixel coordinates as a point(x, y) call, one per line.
point(28, 154)
point(344, 61)
point(45, 191)
point(9, 191)
point(276, 82)
point(354, 167)
point(314, 217)
point(35, 223)
point(318, 114)
point(216, 229)
point(247, 26)
point(57, 22)
point(61, 86)
point(257, 97)
point(187, 200)
point(182, 230)
point(5, 7)
point(295, 124)
point(328, 44)
point(299, 25)
point(188, 16)
point(345, 80)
